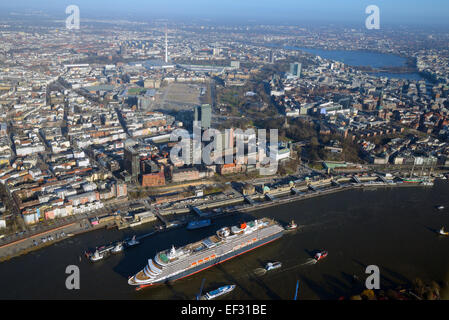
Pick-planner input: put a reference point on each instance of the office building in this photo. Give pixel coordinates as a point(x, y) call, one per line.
point(203, 113)
point(295, 69)
point(132, 162)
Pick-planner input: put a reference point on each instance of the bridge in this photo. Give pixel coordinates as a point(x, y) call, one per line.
point(269, 197)
point(356, 179)
point(197, 211)
point(335, 183)
point(160, 216)
point(249, 200)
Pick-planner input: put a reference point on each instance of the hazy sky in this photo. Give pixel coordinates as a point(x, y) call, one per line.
point(414, 12)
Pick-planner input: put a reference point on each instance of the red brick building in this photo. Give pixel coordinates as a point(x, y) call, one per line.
point(153, 179)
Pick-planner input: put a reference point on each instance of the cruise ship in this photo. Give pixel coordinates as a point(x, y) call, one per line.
point(228, 242)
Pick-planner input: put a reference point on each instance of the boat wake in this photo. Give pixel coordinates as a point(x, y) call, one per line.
point(259, 272)
point(262, 271)
point(309, 262)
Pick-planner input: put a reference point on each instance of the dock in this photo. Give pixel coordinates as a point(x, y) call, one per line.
point(161, 217)
point(198, 212)
point(249, 200)
point(356, 179)
point(269, 197)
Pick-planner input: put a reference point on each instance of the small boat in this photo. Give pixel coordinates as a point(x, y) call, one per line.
point(174, 224)
point(118, 248)
point(292, 226)
point(219, 292)
point(132, 242)
point(96, 256)
point(273, 265)
point(198, 224)
point(440, 207)
point(443, 233)
point(320, 255)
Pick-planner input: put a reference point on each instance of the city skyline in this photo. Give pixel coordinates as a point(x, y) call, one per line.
point(125, 131)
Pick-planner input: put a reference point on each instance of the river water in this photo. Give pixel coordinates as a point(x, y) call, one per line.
point(393, 228)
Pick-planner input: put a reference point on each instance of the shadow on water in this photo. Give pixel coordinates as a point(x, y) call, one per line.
point(233, 280)
point(317, 288)
point(396, 275)
point(313, 252)
point(391, 280)
point(337, 287)
point(270, 293)
point(354, 280)
point(435, 231)
point(176, 294)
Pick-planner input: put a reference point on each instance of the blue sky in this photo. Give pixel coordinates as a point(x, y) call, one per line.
point(414, 12)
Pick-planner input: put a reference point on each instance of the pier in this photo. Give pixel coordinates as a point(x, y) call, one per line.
point(249, 200)
point(269, 197)
point(160, 217)
point(248, 203)
point(335, 183)
point(198, 212)
point(356, 179)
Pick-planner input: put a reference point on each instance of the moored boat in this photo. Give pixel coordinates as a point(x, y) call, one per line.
point(443, 233)
point(132, 242)
point(96, 256)
point(198, 224)
point(118, 248)
point(412, 180)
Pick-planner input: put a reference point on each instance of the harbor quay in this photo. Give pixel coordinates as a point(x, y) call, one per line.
point(171, 218)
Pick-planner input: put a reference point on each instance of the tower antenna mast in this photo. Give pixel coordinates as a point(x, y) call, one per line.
point(166, 45)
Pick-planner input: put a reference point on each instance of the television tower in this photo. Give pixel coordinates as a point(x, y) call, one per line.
point(166, 46)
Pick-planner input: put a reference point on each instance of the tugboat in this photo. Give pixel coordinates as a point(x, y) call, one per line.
point(273, 265)
point(443, 233)
point(132, 242)
point(218, 292)
point(320, 255)
point(118, 248)
point(292, 226)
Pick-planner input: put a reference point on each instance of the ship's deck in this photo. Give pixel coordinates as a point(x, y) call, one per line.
point(187, 261)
